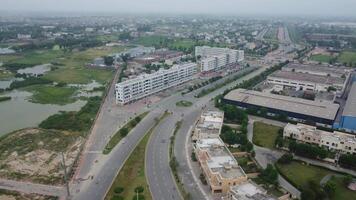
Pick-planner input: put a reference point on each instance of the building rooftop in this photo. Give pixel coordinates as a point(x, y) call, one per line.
point(220, 159)
point(325, 110)
point(305, 77)
point(250, 191)
point(210, 124)
point(336, 71)
point(350, 106)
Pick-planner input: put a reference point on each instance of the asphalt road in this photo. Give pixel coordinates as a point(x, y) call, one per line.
point(97, 171)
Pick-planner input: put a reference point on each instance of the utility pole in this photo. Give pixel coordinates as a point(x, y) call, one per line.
point(65, 174)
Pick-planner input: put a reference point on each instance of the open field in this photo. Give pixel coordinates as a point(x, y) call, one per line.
point(119, 134)
point(12, 195)
point(300, 174)
point(347, 57)
point(321, 58)
point(264, 134)
point(52, 94)
point(132, 174)
point(154, 40)
point(34, 154)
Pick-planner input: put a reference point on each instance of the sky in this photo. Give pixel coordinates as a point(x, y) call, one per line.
point(324, 8)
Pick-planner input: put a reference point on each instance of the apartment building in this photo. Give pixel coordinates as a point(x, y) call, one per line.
point(148, 84)
point(306, 81)
point(336, 141)
point(209, 125)
point(219, 166)
point(215, 59)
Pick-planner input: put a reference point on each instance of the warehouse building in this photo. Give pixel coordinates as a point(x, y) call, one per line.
point(148, 84)
point(321, 70)
point(301, 110)
point(336, 141)
point(348, 117)
point(306, 81)
point(215, 59)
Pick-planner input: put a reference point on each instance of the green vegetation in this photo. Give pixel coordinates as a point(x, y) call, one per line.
point(270, 174)
point(29, 81)
point(132, 174)
point(52, 94)
point(122, 132)
point(309, 151)
point(348, 58)
point(184, 103)
point(5, 98)
point(348, 161)
point(74, 121)
point(173, 163)
point(154, 40)
point(341, 191)
point(321, 58)
point(265, 135)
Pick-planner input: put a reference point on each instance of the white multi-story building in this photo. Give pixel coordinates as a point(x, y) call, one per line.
point(148, 84)
point(214, 58)
point(209, 125)
point(336, 141)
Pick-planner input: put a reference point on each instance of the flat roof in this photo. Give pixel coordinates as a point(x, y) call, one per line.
point(325, 110)
point(350, 106)
point(318, 68)
point(312, 78)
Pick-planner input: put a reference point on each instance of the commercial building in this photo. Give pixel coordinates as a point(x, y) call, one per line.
point(336, 141)
point(138, 51)
point(321, 70)
point(306, 81)
point(301, 110)
point(209, 125)
point(148, 84)
point(248, 191)
point(215, 59)
point(348, 117)
point(219, 166)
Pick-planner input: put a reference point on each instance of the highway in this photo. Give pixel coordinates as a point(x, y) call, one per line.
point(96, 171)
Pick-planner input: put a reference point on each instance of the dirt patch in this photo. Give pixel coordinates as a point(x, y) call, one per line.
point(36, 155)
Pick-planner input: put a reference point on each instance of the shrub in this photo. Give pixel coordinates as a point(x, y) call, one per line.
point(124, 131)
point(118, 190)
point(139, 189)
point(286, 158)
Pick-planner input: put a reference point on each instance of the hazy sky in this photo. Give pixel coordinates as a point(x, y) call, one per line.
point(238, 7)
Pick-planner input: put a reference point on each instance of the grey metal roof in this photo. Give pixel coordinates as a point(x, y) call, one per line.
point(350, 106)
point(311, 78)
point(325, 110)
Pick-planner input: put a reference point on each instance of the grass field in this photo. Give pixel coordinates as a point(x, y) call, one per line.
point(184, 103)
point(321, 58)
point(183, 44)
point(264, 134)
point(117, 137)
point(154, 40)
point(51, 94)
point(299, 174)
point(132, 174)
point(347, 57)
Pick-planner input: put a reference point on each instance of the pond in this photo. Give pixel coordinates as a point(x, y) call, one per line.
point(20, 113)
point(6, 51)
point(36, 70)
point(6, 83)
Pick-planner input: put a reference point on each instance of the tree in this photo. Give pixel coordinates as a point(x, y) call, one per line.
point(124, 131)
point(108, 60)
point(139, 189)
point(286, 158)
point(269, 174)
point(330, 188)
point(347, 180)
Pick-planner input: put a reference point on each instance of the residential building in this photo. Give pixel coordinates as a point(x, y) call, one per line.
point(147, 84)
point(306, 81)
point(215, 59)
point(209, 125)
point(219, 166)
point(336, 141)
point(248, 191)
point(321, 113)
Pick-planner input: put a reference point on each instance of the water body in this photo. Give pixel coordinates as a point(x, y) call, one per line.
point(6, 83)
point(6, 51)
point(36, 70)
point(20, 113)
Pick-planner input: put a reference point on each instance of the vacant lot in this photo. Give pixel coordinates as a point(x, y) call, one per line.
point(35, 154)
point(300, 174)
point(265, 135)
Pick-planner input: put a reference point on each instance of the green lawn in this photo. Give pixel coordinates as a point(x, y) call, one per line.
point(321, 58)
point(132, 173)
point(117, 137)
point(264, 134)
point(347, 57)
point(154, 40)
point(183, 44)
point(299, 174)
point(184, 103)
point(51, 94)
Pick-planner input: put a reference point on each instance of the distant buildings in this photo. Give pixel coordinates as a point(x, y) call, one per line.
point(215, 59)
point(148, 84)
point(336, 141)
point(301, 110)
point(138, 51)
